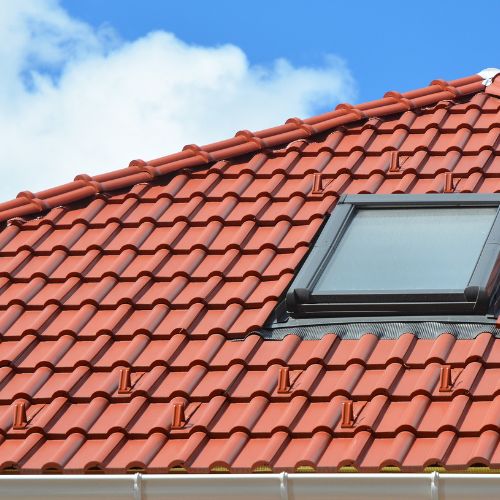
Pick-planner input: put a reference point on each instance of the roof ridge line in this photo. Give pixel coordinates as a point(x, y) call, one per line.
point(244, 142)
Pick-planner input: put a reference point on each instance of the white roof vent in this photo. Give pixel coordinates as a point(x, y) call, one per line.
point(488, 74)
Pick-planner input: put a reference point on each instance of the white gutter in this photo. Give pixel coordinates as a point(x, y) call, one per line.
point(282, 486)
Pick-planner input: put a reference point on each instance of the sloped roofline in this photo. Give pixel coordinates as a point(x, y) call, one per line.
point(244, 142)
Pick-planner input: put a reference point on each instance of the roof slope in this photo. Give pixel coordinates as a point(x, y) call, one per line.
point(125, 316)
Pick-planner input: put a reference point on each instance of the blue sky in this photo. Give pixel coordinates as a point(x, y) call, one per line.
point(388, 45)
point(88, 85)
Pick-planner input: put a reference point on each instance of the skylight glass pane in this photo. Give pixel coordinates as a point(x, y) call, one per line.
point(408, 249)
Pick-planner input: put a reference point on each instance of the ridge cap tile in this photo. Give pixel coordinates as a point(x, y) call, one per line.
point(244, 142)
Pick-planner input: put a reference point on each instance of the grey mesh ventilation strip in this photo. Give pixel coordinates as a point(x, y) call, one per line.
point(383, 330)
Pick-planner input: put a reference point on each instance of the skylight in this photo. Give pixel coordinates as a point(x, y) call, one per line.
point(408, 249)
point(402, 255)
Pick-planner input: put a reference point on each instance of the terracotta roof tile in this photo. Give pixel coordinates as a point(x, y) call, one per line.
point(128, 299)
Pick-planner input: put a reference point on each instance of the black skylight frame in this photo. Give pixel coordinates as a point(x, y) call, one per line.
point(479, 297)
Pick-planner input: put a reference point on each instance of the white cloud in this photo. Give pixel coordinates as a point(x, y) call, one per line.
point(75, 99)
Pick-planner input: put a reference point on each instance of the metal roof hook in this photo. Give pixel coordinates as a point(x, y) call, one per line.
point(488, 75)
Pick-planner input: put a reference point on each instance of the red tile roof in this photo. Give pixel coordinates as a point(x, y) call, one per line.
point(126, 313)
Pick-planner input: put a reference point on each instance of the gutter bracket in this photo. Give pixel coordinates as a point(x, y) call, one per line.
point(138, 486)
point(284, 486)
point(435, 485)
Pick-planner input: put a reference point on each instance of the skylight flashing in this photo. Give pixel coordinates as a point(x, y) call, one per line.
point(383, 327)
